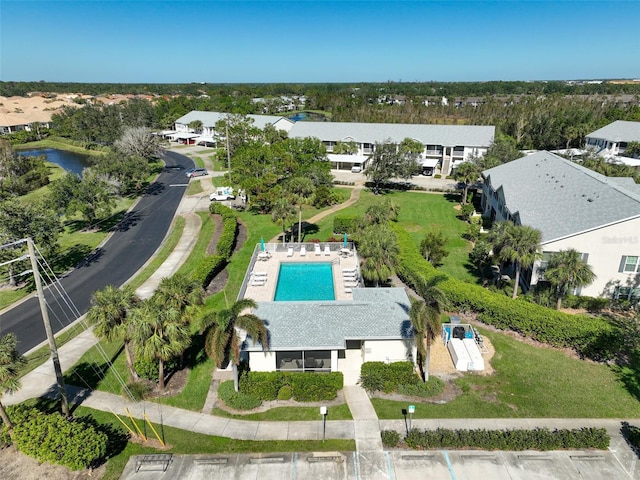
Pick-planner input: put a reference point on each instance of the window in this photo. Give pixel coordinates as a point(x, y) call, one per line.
point(629, 264)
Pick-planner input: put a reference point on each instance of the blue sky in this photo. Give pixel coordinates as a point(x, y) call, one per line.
point(305, 41)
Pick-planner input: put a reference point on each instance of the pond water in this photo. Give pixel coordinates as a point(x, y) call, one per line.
point(70, 161)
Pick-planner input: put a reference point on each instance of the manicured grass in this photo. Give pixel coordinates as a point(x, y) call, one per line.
point(195, 187)
point(60, 144)
point(197, 161)
point(200, 248)
point(289, 414)
point(530, 382)
point(419, 214)
point(194, 394)
point(190, 443)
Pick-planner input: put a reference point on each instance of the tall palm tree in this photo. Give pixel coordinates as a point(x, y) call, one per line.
point(425, 319)
point(222, 341)
point(302, 189)
point(466, 173)
point(283, 211)
point(161, 334)
point(566, 269)
point(522, 247)
point(378, 247)
point(10, 363)
point(110, 315)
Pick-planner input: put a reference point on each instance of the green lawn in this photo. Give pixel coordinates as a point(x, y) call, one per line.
point(419, 213)
point(185, 442)
point(288, 414)
point(530, 382)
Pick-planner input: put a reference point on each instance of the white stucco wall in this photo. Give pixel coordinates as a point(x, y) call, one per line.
point(262, 361)
point(605, 247)
point(388, 350)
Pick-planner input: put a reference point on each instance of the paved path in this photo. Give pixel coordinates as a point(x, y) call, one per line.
point(370, 461)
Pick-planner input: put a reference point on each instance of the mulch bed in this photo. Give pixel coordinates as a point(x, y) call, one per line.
point(218, 283)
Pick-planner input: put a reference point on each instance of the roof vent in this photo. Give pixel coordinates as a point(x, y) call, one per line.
point(589, 199)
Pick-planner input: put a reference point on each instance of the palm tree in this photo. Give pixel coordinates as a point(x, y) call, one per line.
point(379, 249)
point(222, 341)
point(161, 334)
point(283, 211)
point(522, 247)
point(381, 212)
point(178, 291)
point(302, 189)
point(425, 319)
point(110, 315)
point(10, 363)
point(466, 173)
point(566, 269)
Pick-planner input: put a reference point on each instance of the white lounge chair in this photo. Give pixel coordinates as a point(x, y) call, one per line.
point(349, 274)
point(348, 290)
point(351, 283)
point(327, 251)
point(290, 252)
point(259, 274)
point(317, 250)
point(258, 282)
point(349, 270)
point(303, 251)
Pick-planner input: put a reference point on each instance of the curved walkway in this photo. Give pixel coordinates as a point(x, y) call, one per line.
point(364, 428)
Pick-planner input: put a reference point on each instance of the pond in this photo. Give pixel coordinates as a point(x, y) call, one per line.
point(70, 161)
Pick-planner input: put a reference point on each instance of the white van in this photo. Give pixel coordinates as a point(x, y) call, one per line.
point(222, 193)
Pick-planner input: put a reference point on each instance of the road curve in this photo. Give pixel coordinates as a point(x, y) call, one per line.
point(132, 243)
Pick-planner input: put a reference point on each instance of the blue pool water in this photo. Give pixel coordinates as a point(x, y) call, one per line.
point(304, 281)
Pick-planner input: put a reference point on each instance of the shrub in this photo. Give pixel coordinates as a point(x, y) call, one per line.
point(305, 387)
point(390, 438)
point(589, 336)
point(237, 400)
point(433, 387)
point(138, 390)
point(437, 175)
point(342, 225)
point(536, 439)
point(76, 444)
point(208, 268)
point(383, 377)
point(285, 393)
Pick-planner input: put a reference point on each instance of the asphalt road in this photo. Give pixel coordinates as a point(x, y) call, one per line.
point(133, 242)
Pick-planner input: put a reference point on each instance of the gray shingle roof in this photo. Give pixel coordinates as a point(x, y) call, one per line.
point(374, 313)
point(209, 119)
point(619, 131)
point(447, 135)
point(561, 198)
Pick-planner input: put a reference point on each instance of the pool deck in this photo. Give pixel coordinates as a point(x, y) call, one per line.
point(271, 267)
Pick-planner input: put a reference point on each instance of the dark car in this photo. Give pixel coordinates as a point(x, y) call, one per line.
point(196, 172)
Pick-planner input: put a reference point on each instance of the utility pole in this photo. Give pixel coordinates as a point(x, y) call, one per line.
point(228, 151)
point(47, 327)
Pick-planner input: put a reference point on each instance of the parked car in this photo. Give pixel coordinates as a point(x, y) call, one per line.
point(222, 193)
point(356, 169)
point(196, 172)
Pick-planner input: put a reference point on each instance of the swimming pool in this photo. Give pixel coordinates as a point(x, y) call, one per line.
point(305, 281)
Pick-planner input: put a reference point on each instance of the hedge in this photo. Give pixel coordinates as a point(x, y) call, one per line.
point(589, 336)
point(397, 377)
point(536, 439)
point(305, 386)
point(237, 400)
point(210, 266)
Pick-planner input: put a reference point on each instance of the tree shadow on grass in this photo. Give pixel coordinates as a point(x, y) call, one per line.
point(90, 374)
